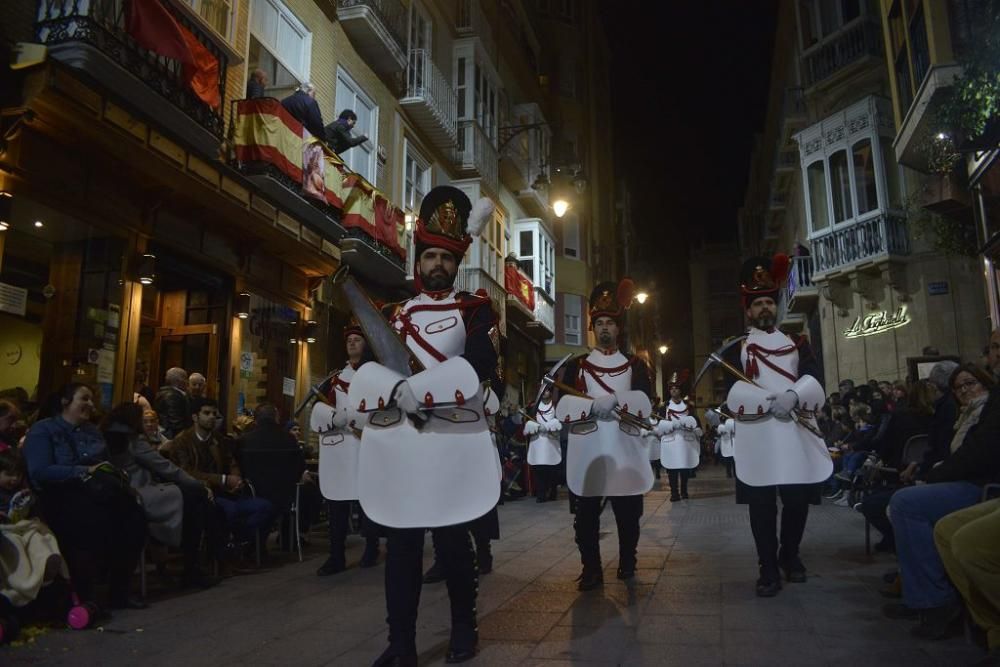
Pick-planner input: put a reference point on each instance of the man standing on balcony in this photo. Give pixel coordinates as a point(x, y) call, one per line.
point(777, 448)
point(338, 133)
point(427, 459)
point(303, 107)
point(605, 396)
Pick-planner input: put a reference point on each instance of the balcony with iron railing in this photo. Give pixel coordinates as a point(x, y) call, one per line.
point(93, 37)
point(377, 29)
point(800, 292)
point(476, 155)
point(855, 42)
point(429, 99)
point(865, 242)
point(471, 22)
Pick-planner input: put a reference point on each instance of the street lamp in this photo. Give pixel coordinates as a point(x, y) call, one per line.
point(641, 297)
point(559, 207)
point(663, 349)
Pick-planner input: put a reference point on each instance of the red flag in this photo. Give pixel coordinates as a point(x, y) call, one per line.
point(202, 72)
point(154, 28)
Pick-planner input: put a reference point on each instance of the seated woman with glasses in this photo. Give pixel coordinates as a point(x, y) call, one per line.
point(952, 485)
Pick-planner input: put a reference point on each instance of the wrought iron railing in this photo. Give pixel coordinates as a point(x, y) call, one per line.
point(545, 310)
point(476, 151)
point(425, 81)
point(871, 239)
point(391, 13)
point(800, 275)
point(857, 39)
point(102, 24)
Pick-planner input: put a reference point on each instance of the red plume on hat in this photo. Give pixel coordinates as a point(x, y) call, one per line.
point(625, 292)
point(611, 300)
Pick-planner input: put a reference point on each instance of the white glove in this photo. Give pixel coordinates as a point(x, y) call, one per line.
point(689, 422)
point(404, 399)
point(664, 427)
point(698, 432)
point(783, 404)
point(553, 427)
point(340, 418)
point(531, 428)
point(604, 406)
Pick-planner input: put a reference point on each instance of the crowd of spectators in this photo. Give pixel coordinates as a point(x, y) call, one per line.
point(150, 475)
point(920, 461)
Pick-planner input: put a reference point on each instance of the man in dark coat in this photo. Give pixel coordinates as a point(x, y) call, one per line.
point(303, 107)
point(172, 403)
point(257, 85)
point(338, 133)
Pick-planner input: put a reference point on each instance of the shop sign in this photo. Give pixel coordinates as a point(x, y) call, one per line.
point(13, 299)
point(877, 323)
point(937, 288)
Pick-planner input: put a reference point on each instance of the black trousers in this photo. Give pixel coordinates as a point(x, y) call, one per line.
point(339, 512)
point(404, 578)
point(546, 480)
point(764, 524)
point(874, 508)
point(587, 525)
point(96, 535)
point(683, 475)
point(201, 517)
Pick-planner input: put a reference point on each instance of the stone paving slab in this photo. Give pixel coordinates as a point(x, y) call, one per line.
point(692, 603)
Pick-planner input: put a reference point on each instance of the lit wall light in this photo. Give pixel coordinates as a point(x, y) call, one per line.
point(243, 305)
point(293, 341)
point(147, 269)
point(312, 328)
point(663, 349)
point(641, 297)
point(39, 224)
point(559, 207)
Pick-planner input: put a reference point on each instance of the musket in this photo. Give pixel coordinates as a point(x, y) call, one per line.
point(716, 358)
point(549, 380)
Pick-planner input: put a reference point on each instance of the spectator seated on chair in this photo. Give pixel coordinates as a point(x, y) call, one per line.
point(199, 452)
point(94, 515)
point(955, 484)
point(178, 507)
point(153, 434)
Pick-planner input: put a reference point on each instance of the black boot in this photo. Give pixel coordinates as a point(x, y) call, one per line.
point(590, 578)
point(333, 565)
point(391, 658)
point(769, 583)
point(370, 557)
point(795, 571)
point(463, 643)
point(938, 622)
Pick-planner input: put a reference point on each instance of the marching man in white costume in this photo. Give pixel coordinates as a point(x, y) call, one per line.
point(726, 431)
point(339, 428)
point(607, 455)
point(544, 452)
point(680, 439)
point(427, 458)
point(776, 447)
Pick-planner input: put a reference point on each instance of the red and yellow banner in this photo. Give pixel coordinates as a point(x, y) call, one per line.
point(519, 285)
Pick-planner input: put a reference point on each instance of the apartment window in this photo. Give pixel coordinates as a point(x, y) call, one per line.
point(864, 176)
point(492, 246)
point(217, 14)
point(476, 90)
point(816, 177)
point(536, 254)
point(285, 40)
point(416, 177)
point(461, 86)
point(572, 319)
point(349, 95)
point(840, 187)
point(420, 28)
point(526, 250)
point(571, 236)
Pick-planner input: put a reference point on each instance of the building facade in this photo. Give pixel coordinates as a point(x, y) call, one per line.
point(873, 294)
point(716, 316)
point(153, 217)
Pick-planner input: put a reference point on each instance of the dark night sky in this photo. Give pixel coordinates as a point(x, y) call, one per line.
point(689, 88)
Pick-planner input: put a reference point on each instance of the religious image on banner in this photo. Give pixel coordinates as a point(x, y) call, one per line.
point(313, 171)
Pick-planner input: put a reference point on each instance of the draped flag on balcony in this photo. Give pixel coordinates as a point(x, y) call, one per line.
point(519, 285)
point(369, 210)
point(153, 27)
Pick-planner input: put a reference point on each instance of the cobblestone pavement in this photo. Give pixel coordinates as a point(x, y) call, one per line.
point(693, 603)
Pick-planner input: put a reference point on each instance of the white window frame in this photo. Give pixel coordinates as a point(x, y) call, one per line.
point(837, 133)
point(197, 5)
point(418, 8)
point(372, 132)
point(542, 255)
point(266, 40)
point(573, 319)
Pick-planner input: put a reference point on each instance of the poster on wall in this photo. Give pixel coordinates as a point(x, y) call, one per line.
point(13, 299)
point(288, 386)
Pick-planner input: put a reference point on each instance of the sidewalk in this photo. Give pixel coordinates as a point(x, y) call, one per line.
point(693, 603)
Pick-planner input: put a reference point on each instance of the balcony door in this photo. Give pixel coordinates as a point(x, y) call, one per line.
point(360, 159)
point(419, 47)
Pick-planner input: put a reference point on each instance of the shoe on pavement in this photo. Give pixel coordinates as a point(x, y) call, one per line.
point(898, 610)
point(590, 579)
point(795, 571)
point(938, 622)
point(391, 658)
point(331, 566)
point(768, 588)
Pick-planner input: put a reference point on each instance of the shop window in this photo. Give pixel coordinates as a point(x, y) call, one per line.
point(840, 187)
point(818, 215)
point(864, 177)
